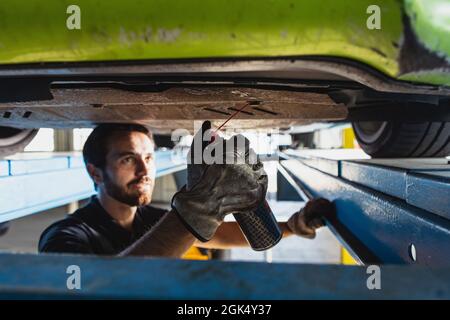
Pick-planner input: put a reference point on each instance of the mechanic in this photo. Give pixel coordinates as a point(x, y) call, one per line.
point(119, 220)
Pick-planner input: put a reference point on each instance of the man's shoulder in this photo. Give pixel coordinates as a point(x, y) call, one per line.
point(69, 228)
point(66, 225)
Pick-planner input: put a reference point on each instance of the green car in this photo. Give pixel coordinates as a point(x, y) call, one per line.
point(383, 66)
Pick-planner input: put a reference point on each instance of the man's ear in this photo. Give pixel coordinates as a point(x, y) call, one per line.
point(95, 173)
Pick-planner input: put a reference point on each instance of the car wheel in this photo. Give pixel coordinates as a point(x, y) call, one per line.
point(13, 140)
point(391, 139)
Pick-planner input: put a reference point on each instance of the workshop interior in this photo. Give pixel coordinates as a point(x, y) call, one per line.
point(345, 106)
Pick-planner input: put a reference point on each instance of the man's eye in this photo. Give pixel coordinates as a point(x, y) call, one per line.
point(128, 160)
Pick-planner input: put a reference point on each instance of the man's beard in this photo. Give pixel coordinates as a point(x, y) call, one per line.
point(121, 194)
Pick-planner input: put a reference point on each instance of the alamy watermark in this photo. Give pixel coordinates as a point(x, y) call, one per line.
point(73, 21)
point(73, 281)
point(373, 22)
point(374, 279)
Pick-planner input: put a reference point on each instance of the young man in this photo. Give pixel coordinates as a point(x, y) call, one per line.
point(120, 221)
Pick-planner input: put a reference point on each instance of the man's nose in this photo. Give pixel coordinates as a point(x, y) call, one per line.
point(143, 167)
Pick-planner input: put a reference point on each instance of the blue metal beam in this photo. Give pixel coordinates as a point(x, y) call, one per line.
point(28, 186)
point(44, 276)
point(430, 191)
point(384, 212)
point(287, 190)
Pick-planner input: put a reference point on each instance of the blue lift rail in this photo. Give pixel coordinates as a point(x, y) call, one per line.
point(389, 211)
point(144, 278)
point(31, 183)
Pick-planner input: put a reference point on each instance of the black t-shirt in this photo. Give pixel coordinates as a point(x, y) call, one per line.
point(91, 230)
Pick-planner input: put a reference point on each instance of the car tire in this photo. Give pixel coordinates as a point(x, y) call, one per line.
point(13, 140)
point(391, 139)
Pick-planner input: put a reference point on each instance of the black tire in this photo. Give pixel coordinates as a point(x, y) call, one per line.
point(13, 140)
point(391, 139)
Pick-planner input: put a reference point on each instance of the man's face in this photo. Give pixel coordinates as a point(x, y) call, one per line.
point(129, 175)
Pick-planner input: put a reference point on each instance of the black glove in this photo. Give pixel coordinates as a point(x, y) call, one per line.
point(216, 190)
point(196, 164)
point(305, 222)
point(235, 150)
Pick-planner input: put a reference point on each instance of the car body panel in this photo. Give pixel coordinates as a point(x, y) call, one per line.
point(168, 29)
point(430, 20)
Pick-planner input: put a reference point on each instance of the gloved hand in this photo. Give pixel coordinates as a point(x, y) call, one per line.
point(216, 190)
point(205, 142)
point(305, 222)
point(196, 164)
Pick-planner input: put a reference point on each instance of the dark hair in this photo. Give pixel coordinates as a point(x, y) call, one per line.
point(96, 147)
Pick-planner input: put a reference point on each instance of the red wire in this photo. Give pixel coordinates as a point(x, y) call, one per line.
point(231, 117)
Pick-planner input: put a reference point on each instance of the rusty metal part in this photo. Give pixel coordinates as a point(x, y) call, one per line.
point(172, 108)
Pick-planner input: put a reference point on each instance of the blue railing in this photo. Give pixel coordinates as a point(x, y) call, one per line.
point(30, 183)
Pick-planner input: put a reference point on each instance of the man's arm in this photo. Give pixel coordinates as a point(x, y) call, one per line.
point(168, 238)
point(229, 235)
point(302, 223)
